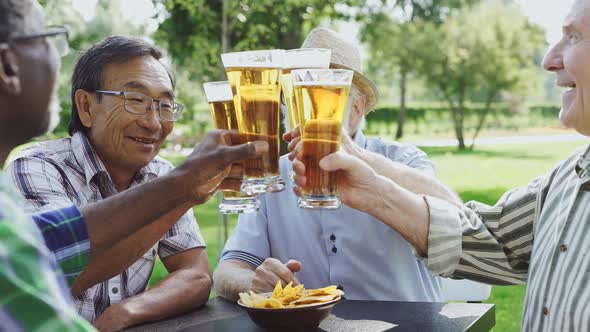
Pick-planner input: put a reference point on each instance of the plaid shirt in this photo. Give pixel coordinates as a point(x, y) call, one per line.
point(68, 172)
point(33, 293)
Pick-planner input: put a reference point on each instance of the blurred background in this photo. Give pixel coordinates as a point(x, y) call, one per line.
point(449, 71)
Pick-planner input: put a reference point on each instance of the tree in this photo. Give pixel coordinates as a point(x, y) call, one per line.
point(394, 42)
point(197, 30)
point(487, 49)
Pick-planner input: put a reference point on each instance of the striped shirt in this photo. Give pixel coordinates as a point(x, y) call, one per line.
point(537, 234)
point(33, 292)
point(67, 172)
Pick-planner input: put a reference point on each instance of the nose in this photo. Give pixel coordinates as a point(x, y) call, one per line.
point(553, 60)
point(150, 120)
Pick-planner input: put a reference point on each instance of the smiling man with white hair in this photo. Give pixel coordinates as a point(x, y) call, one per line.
point(537, 234)
point(344, 247)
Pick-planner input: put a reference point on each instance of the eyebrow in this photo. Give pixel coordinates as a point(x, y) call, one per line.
point(137, 85)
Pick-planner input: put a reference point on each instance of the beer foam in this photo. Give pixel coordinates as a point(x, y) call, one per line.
point(307, 58)
point(254, 59)
point(218, 91)
point(341, 84)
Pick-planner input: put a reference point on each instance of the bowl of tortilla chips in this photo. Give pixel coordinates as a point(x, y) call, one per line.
point(292, 307)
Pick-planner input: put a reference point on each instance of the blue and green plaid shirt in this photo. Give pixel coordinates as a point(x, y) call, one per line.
point(33, 292)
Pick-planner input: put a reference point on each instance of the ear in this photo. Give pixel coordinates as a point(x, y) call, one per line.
point(84, 102)
point(9, 72)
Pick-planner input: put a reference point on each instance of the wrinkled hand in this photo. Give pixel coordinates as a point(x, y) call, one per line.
point(115, 318)
point(271, 271)
point(212, 164)
point(355, 180)
point(346, 143)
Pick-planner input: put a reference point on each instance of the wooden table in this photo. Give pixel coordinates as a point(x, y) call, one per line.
point(221, 315)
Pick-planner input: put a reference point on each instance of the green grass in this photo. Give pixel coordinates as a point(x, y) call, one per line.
point(483, 175)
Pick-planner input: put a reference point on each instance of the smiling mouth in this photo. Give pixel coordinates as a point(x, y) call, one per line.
point(143, 140)
point(567, 86)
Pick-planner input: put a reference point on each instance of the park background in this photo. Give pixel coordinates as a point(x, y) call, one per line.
point(462, 79)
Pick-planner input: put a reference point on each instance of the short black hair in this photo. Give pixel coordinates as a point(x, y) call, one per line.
point(88, 70)
point(12, 18)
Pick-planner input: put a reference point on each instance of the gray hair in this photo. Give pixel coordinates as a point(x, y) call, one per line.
point(13, 18)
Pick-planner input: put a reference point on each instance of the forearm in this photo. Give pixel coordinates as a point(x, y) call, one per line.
point(106, 263)
point(232, 278)
point(402, 210)
point(179, 292)
point(407, 177)
point(113, 219)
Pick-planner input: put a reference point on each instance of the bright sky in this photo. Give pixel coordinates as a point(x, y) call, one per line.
point(547, 13)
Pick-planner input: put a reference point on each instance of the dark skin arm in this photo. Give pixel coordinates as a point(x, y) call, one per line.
point(186, 288)
point(121, 228)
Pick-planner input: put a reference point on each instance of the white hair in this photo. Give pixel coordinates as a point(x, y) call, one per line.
point(355, 96)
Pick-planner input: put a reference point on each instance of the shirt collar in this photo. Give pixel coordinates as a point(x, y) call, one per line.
point(583, 165)
point(92, 165)
point(87, 157)
point(360, 139)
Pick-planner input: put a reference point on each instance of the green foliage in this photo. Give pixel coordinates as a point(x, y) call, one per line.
point(436, 118)
point(194, 31)
point(483, 50)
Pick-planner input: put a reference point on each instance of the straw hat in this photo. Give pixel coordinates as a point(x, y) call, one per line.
point(344, 55)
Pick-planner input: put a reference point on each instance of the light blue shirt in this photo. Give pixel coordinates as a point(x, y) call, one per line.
point(344, 247)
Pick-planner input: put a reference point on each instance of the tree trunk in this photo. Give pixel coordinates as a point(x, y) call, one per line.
point(402, 105)
point(224, 30)
point(482, 118)
point(460, 116)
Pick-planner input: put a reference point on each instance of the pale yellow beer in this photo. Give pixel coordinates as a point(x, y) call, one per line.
point(258, 101)
point(322, 104)
point(297, 59)
point(255, 80)
point(224, 116)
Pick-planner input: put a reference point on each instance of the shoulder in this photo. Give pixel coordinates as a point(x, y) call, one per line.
point(55, 150)
point(404, 153)
point(161, 165)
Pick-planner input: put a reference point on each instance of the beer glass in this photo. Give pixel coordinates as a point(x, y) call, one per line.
point(297, 59)
point(221, 103)
point(321, 96)
point(255, 80)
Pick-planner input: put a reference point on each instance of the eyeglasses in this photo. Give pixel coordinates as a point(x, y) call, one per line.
point(59, 38)
point(138, 103)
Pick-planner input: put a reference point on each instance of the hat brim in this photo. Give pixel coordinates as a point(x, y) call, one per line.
point(363, 83)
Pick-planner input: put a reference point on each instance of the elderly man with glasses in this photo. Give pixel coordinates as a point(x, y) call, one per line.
point(123, 108)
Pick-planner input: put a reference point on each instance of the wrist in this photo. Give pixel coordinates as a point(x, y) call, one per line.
point(125, 310)
point(180, 185)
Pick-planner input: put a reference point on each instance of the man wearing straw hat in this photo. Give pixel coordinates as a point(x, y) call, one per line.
point(345, 247)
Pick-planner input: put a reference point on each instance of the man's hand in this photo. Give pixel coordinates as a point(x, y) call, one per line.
point(213, 160)
point(356, 179)
point(271, 271)
point(115, 318)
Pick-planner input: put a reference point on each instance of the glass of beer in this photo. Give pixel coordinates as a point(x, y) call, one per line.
point(221, 103)
point(255, 81)
point(321, 96)
point(297, 59)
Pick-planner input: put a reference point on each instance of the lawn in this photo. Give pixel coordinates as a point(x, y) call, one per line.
point(483, 175)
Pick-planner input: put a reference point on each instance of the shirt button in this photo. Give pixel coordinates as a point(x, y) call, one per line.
point(562, 248)
point(545, 311)
point(115, 290)
point(153, 252)
point(333, 237)
point(334, 249)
